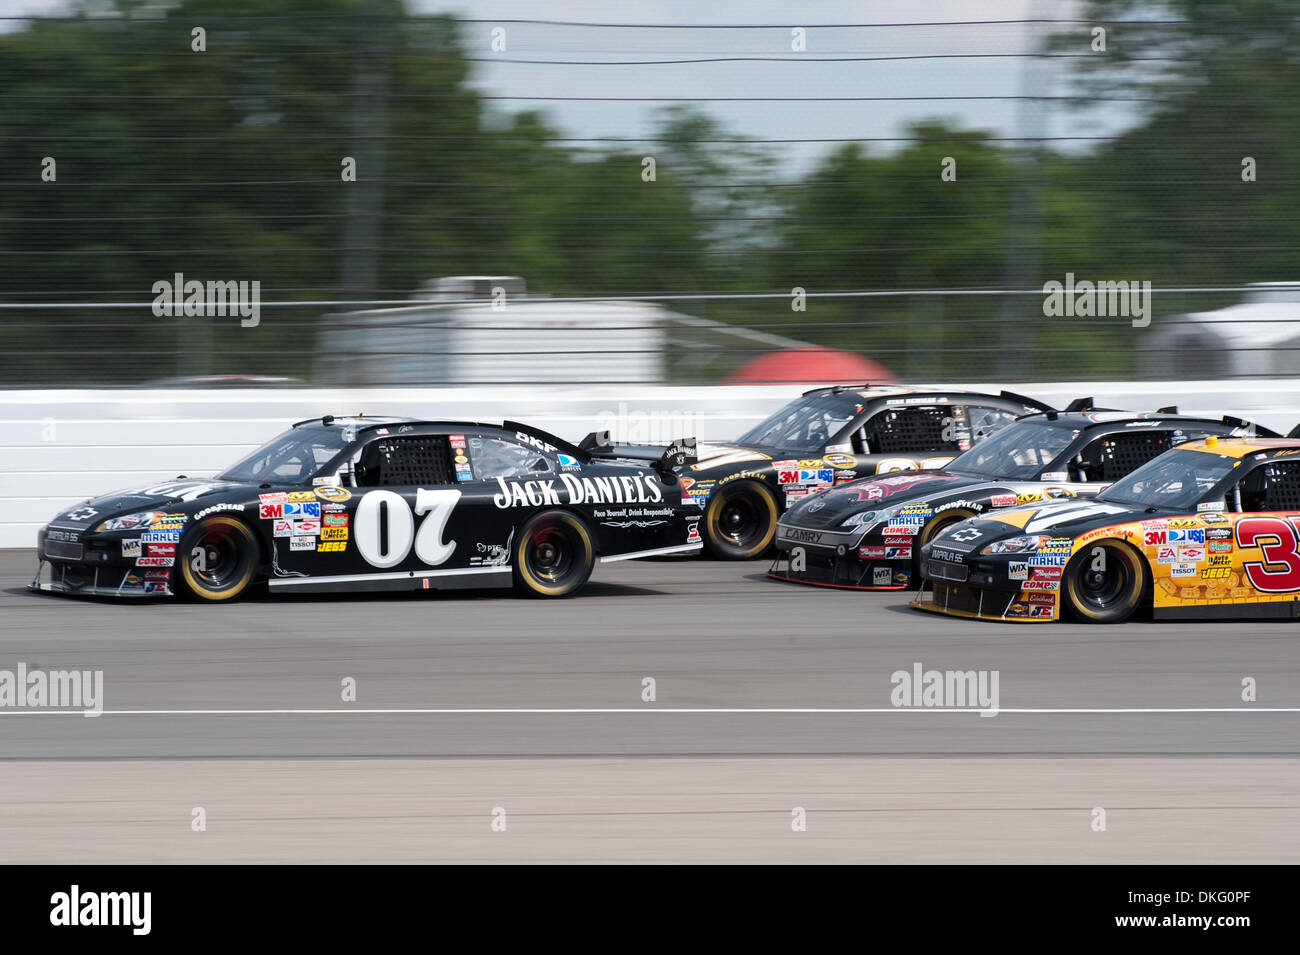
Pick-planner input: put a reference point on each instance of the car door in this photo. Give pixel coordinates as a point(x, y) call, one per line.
point(914, 435)
point(399, 515)
point(1264, 506)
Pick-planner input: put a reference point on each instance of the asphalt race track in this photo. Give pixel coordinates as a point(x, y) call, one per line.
point(713, 636)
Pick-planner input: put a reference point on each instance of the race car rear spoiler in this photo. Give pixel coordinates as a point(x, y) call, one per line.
point(678, 454)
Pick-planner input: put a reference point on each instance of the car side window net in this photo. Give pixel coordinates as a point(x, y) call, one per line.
point(916, 428)
point(407, 461)
point(1270, 487)
point(1115, 456)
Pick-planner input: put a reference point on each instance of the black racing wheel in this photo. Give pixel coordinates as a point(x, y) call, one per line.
point(1104, 583)
point(740, 521)
point(216, 559)
point(554, 555)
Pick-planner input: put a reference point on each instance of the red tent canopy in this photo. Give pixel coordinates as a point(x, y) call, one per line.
point(810, 366)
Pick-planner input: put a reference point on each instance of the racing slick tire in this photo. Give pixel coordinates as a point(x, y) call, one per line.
point(554, 555)
point(216, 559)
point(1104, 583)
point(740, 521)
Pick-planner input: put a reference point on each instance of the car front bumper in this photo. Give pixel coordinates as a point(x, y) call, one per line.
point(82, 563)
point(983, 588)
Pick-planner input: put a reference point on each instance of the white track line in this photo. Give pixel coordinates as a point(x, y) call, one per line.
point(611, 711)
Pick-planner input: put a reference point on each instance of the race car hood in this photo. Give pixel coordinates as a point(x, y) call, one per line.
point(710, 455)
point(834, 506)
point(1058, 519)
point(165, 494)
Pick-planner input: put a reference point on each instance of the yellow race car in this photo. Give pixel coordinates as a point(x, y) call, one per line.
point(1210, 528)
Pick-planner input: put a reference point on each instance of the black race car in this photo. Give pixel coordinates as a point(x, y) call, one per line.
point(346, 504)
point(828, 436)
point(868, 534)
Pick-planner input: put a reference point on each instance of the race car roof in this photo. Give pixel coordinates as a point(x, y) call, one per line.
point(367, 422)
point(1084, 420)
point(1241, 447)
point(939, 394)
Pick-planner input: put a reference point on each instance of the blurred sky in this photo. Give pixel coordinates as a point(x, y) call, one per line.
point(926, 77)
point(967, 76)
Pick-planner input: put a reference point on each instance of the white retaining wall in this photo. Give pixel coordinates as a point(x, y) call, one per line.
point(60, 447)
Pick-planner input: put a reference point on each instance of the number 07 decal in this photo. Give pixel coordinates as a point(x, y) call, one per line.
point(381, 511)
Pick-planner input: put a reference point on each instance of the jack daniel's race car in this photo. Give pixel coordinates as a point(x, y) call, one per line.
point(828, 436)
point(1209, 529)
point(344, 504)
point(867, 535)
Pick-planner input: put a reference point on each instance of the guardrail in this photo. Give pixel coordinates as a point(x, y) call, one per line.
point(64, 446)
